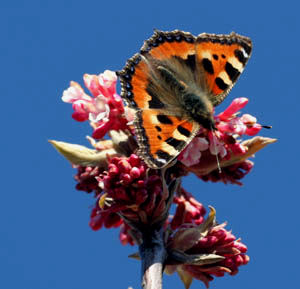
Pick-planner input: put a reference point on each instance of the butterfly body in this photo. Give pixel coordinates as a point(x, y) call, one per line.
point(174, 83)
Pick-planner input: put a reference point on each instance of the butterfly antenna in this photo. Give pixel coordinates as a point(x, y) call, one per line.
point(215, 147)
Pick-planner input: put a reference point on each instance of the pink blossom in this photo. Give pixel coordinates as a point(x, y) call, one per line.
point(233, 108)
point(216, 145)
point(229, 122)
point(105, 110)
point(192, 153)
point(99, 219)
point(104, 83)
point(86, 179)
point(125, 235)
point(188, 210)
point(85, 107)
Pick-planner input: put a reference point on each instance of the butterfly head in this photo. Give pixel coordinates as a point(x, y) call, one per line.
point(207, 121)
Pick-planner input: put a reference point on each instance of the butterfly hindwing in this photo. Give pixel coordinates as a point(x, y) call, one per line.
point(162, 137)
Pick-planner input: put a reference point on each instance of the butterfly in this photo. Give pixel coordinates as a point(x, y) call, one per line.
point(173, 85)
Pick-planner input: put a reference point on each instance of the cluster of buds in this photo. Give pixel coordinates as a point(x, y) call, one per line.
point(126, 187)
point(131, 196)
point(203, 251)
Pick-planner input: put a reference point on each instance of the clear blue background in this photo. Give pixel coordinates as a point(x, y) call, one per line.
point(45, 240)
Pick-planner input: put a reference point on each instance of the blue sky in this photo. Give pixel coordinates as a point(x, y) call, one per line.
point(45, 240)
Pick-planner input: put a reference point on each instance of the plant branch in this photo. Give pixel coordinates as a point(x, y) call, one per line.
point(153, 255)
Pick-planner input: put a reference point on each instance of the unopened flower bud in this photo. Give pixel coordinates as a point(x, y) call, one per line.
point(124, 166)
point(135, 173)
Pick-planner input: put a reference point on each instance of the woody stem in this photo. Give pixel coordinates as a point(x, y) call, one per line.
point(153, 255)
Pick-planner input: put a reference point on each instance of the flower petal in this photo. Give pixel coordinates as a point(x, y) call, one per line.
point(234, 107)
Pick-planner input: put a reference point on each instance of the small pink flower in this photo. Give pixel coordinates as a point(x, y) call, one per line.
point(192, 153)
point(86, 179)
point(252, 127)
point(125, 236)
point(216, 146)
point(104, 83)
point(108, 81)
point(107, 219)
point(188, 210)
point(85, 107)
point(233, 108)
point(75, 92)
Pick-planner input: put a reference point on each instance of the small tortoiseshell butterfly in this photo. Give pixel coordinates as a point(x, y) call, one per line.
point(173, 85)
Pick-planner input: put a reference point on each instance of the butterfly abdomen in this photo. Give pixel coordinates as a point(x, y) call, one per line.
point(199, 109)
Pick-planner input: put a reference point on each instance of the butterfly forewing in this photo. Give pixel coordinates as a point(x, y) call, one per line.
point(222, 59)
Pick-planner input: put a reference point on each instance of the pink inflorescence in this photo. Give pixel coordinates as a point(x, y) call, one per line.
point(214, 240)
point(221, 242)
point(127, 185)
point(123, 188)
point(105, 110)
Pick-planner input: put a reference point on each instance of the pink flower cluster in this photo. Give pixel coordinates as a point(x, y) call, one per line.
point(221, 242)
point(131, 196)
point(214, 240)
point(222, 142)
point(127, 184)
point(105, 110)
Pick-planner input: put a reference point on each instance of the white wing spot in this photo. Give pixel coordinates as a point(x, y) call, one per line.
point(236, 64)
point(225, 78)
point(206, 54)
point(244, 52)
point(168, 148)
